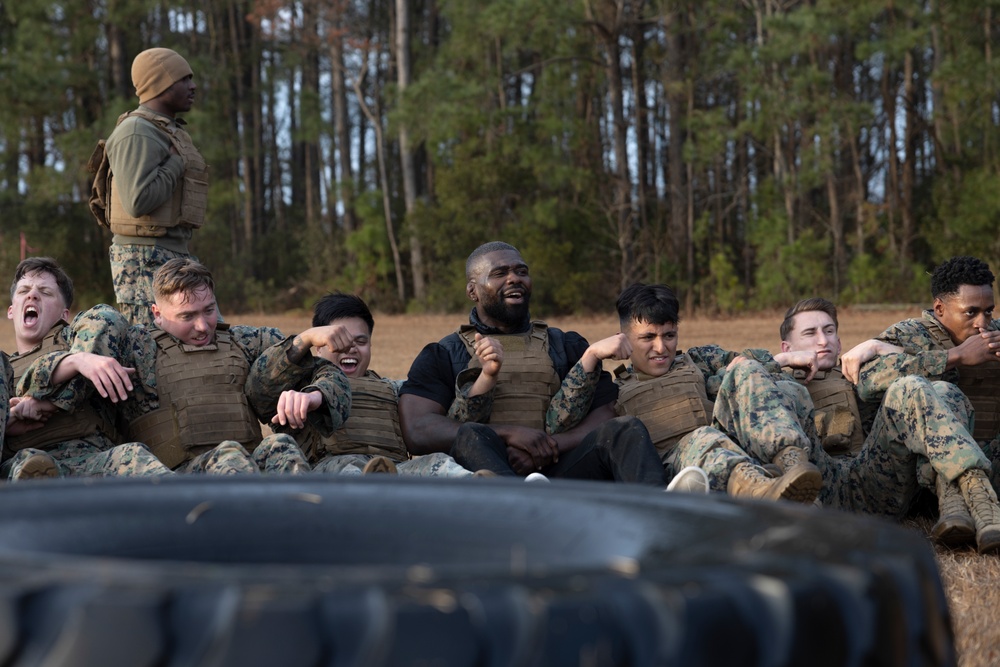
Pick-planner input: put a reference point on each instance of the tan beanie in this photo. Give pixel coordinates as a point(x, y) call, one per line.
point(155, 70)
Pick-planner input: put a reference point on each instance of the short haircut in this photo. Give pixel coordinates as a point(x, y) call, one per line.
point(805, 306)
point(654, 304)
point(485, 249)
point(337, 306)
point(44, 265)
point(181, 276)
point(957, 271)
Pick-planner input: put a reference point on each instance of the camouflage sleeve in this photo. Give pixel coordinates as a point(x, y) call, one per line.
point(712, 361)
point(331, 382)
point(5, 393)
point(573, 400)
point(465, 408)
point(254, 341)
point(99, 330)
point(273, 372)
point(922, 356)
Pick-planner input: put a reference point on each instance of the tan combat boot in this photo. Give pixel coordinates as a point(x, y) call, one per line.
point(954, 526)
point(379, 464)
point(751, 481)
point(982, 502)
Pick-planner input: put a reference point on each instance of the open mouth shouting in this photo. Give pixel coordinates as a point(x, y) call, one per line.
point(349, 365)
point(30, 316)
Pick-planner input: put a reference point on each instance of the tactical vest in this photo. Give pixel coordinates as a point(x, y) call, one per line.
point(980, 384)
point(373, 427)
point(84, 421)
point(670, 406)
point(189, 201)
point(201, 399)
point(528, 379)
point(837, 418)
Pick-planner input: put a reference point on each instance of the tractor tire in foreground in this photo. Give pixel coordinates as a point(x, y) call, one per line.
point(320, 571)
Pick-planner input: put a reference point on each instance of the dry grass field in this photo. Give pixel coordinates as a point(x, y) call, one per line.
point(972, 582)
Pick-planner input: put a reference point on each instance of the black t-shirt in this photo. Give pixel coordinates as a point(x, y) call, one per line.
point(435, 369)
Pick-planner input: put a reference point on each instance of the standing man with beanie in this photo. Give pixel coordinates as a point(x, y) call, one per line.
point(157, 181)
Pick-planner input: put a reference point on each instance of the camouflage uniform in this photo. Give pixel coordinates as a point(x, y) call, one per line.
point(715, 448)
point(132, 269)
point(270, 372)
point(6, 390)
point(318, 447)
point(925, 356)
point(103, 328)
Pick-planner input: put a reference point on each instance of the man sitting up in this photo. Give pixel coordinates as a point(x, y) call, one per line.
point(370, 440)
point(72, 433)
point(915, 421)
point(514, 441)
point(202, 387)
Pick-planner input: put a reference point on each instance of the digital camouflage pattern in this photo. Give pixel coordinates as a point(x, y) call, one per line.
point(431, 465)
point(436, 464)
point(279, 453)
point(924, 356)
point(6, 391)
point(227, 458)
point(572, 402)
point(104, 332)
point(132, 268)
point(93, 457)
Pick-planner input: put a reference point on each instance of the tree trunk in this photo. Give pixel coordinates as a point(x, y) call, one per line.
point(405, 152)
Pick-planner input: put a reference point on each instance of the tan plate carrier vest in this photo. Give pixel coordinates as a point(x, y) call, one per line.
point(190, 200)
point(201, 399)
point(83, 422)
point(528, 379)
point(373, 427)
point(837, 418)
point(980, 384)
point(670, 406)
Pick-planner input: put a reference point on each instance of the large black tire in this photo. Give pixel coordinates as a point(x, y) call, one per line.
point(313, 570)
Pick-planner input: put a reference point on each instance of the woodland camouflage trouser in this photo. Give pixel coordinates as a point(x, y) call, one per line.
point(753, 419)
point(436, 464)
point(83, 458)
point(918, 422)
point(228, 458)
point(279, 453)
point(132, 268)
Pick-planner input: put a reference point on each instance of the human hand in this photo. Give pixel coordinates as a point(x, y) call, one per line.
point(613, 347)
point(539, 448)
point(489, 351)
point(862, 353)
point(110, 378)
point(31, 409)
point(335, 337)
point(294, 406)
point(803, 360)
point(980, 348)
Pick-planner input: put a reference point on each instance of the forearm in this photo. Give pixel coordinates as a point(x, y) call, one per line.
point(572, 401)
point(467, 406)
point(571, 438)
point(425, 426)
point(882, 371)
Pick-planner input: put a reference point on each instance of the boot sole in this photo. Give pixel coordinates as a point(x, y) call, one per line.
point(802, 487)
point(38, 467)
point(954, 532)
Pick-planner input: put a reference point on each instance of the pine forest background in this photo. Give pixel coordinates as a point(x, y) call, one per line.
point(747, 152)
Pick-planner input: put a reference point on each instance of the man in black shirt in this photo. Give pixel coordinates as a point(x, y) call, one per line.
point(521, 426)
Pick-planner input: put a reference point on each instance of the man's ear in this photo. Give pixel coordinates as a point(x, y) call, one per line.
point(938, 307)
point(155, 310)
point(65, 315)
point(470, 290)
point(785, 346)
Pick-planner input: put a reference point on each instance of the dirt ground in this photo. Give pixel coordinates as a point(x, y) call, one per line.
point(972, 582)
